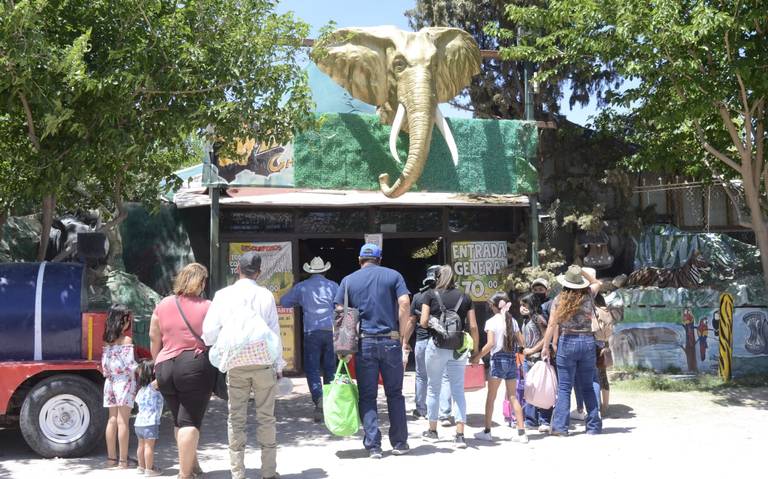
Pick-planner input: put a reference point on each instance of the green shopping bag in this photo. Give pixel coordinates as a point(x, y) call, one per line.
point(340, 403)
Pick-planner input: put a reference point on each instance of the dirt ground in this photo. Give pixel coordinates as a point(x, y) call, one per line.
point(698, 435)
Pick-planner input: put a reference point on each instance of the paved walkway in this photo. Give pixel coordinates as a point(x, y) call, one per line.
point(696, 435)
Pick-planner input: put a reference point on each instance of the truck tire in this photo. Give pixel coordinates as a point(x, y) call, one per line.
point(63, 416)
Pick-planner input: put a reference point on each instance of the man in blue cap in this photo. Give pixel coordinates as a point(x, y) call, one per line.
point(381, 296)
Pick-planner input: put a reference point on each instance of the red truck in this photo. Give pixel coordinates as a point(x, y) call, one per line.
point(50, 358)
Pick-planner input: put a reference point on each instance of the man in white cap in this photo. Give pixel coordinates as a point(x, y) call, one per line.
point(315, 296)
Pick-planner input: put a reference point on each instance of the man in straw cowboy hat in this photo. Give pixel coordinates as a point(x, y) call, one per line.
point(315, 296)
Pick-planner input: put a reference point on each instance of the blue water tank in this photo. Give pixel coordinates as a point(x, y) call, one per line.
point(41, 307)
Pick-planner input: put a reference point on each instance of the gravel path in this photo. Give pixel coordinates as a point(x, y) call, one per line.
point(698, 435)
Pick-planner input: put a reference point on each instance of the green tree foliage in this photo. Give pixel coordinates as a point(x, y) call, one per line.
point(498, 91)
point(695, 99)
point(98, 98)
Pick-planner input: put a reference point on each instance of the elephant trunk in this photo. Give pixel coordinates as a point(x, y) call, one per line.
point(420, 105)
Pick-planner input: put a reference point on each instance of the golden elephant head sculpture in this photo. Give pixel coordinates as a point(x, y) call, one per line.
point(405, 75)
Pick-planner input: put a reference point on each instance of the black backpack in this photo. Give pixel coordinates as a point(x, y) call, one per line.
point(448, 329)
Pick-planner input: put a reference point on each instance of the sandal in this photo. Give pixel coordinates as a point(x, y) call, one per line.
point(122, 464)
point(111, 463)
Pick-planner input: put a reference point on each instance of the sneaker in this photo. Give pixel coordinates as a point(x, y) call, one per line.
point(578, 415)
point(139, 470)
point(483, 436)
point(459, 442)
point(558, 433)
point(430, 436)
point(154, 472)
point(417, 414)
point(401, 450)
point(544, 428)
point(318, 414)
point(375, 453)
point(446, 421)
point(522, 439)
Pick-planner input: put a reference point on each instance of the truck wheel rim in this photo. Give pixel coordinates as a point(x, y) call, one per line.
point(64, 418)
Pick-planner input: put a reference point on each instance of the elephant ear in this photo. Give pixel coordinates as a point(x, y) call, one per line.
point(356, 59)
point(458, 60)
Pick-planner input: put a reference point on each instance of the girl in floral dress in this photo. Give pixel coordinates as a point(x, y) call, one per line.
point(119, 368)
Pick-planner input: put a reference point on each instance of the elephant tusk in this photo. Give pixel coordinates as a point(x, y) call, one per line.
point(396, 125)
point(445, 129)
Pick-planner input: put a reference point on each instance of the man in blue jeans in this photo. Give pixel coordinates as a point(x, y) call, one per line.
point(381, 297)
point(315, 296)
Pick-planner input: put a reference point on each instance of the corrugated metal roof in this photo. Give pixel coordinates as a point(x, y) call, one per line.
point(190, 198)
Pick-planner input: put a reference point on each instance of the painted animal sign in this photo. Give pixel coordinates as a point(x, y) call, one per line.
point(405, 75)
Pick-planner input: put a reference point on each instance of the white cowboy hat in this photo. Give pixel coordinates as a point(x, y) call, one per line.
point(317, 265)
point(573, 278)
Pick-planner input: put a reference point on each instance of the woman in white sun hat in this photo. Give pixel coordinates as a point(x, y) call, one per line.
point(572, 312)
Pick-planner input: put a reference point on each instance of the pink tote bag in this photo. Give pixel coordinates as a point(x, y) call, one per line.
point(474, 377)
point(541, 385)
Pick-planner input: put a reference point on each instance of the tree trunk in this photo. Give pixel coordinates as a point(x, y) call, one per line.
point(759, 224)
point(49, 207)
point(3, 219)
point(112, 230)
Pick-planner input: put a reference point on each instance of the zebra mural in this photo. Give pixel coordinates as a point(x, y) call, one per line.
point(687, 276)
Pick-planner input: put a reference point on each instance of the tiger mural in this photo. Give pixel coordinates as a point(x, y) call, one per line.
point(688, 275)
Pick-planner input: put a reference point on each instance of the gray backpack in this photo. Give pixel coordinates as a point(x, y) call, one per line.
point(448, 328)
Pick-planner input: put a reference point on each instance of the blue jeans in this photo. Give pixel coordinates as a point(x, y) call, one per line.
point(318, 352)
point(439, 363)
point(421, 383)
point(381, 355)
point(535, 416)
point(579, 394)
point(575, 360)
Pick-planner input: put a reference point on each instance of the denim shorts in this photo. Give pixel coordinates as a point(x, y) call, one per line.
point(148, 432)
point(503, 366)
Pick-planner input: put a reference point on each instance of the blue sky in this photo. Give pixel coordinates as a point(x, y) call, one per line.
point(362, 13)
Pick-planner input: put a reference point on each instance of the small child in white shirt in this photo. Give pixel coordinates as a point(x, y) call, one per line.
point(147, 424)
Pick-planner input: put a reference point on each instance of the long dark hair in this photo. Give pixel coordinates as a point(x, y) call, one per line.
point(531, 302)
point(509, 336)
point(118, 315)
point(145, 372)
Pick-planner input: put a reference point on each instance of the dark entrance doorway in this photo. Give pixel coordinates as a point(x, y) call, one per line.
point(410, 256)
point(341, 252)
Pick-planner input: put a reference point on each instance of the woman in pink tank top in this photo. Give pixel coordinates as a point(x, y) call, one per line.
point(185, 377)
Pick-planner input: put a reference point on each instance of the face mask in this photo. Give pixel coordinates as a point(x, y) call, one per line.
point(542, 297)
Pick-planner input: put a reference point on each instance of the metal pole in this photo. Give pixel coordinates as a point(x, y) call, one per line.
point(214, 269)
point(533, 198)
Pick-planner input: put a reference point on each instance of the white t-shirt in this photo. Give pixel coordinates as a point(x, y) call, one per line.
point(498, 325)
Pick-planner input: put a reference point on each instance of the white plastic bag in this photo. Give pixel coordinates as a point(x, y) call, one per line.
point(244, 340)
point(541, 385)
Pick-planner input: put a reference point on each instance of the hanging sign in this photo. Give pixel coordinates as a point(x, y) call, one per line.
point(277, 276)
point(479, 267)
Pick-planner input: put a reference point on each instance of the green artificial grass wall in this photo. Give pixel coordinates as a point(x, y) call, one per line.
point(349, 151)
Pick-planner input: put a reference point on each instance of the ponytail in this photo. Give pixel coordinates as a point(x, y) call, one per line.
point(509, 337)
point(501, 302)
